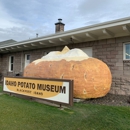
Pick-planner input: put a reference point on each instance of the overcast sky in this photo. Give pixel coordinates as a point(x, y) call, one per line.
point(22, 19)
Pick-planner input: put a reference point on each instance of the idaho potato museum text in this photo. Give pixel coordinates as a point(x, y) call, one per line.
point(43, 87)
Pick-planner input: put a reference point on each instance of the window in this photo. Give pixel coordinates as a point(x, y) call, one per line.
point(87, 50)
point(127, 51)
point(27, 59)
point(45, 53)
point(11, 63)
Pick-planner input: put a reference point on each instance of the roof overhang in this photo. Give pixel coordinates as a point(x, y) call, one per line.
point(111, 29)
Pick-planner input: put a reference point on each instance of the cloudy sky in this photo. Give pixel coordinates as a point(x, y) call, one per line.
point(22, 19)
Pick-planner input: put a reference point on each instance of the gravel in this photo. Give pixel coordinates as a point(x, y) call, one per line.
point(111, 100)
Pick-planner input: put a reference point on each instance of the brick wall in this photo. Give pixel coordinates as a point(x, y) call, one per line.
point(19, 60)
point(109, 51)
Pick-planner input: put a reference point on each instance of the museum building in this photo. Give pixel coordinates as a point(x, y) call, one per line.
point(108, 41)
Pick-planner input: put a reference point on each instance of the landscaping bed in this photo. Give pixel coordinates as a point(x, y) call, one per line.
point(111, 100)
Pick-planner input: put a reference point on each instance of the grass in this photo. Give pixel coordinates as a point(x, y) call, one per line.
point(21, 114)
point(1, 89)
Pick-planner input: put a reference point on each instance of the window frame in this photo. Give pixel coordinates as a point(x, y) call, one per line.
point(124, 50)
point(11, 65)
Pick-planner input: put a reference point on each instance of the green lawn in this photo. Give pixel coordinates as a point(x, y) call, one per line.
point(1, 89)
point(21, 114)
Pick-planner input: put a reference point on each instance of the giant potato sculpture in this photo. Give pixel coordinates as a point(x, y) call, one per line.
point(92, 77)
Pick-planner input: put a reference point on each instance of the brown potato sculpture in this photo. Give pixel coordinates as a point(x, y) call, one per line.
point(92, 77)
